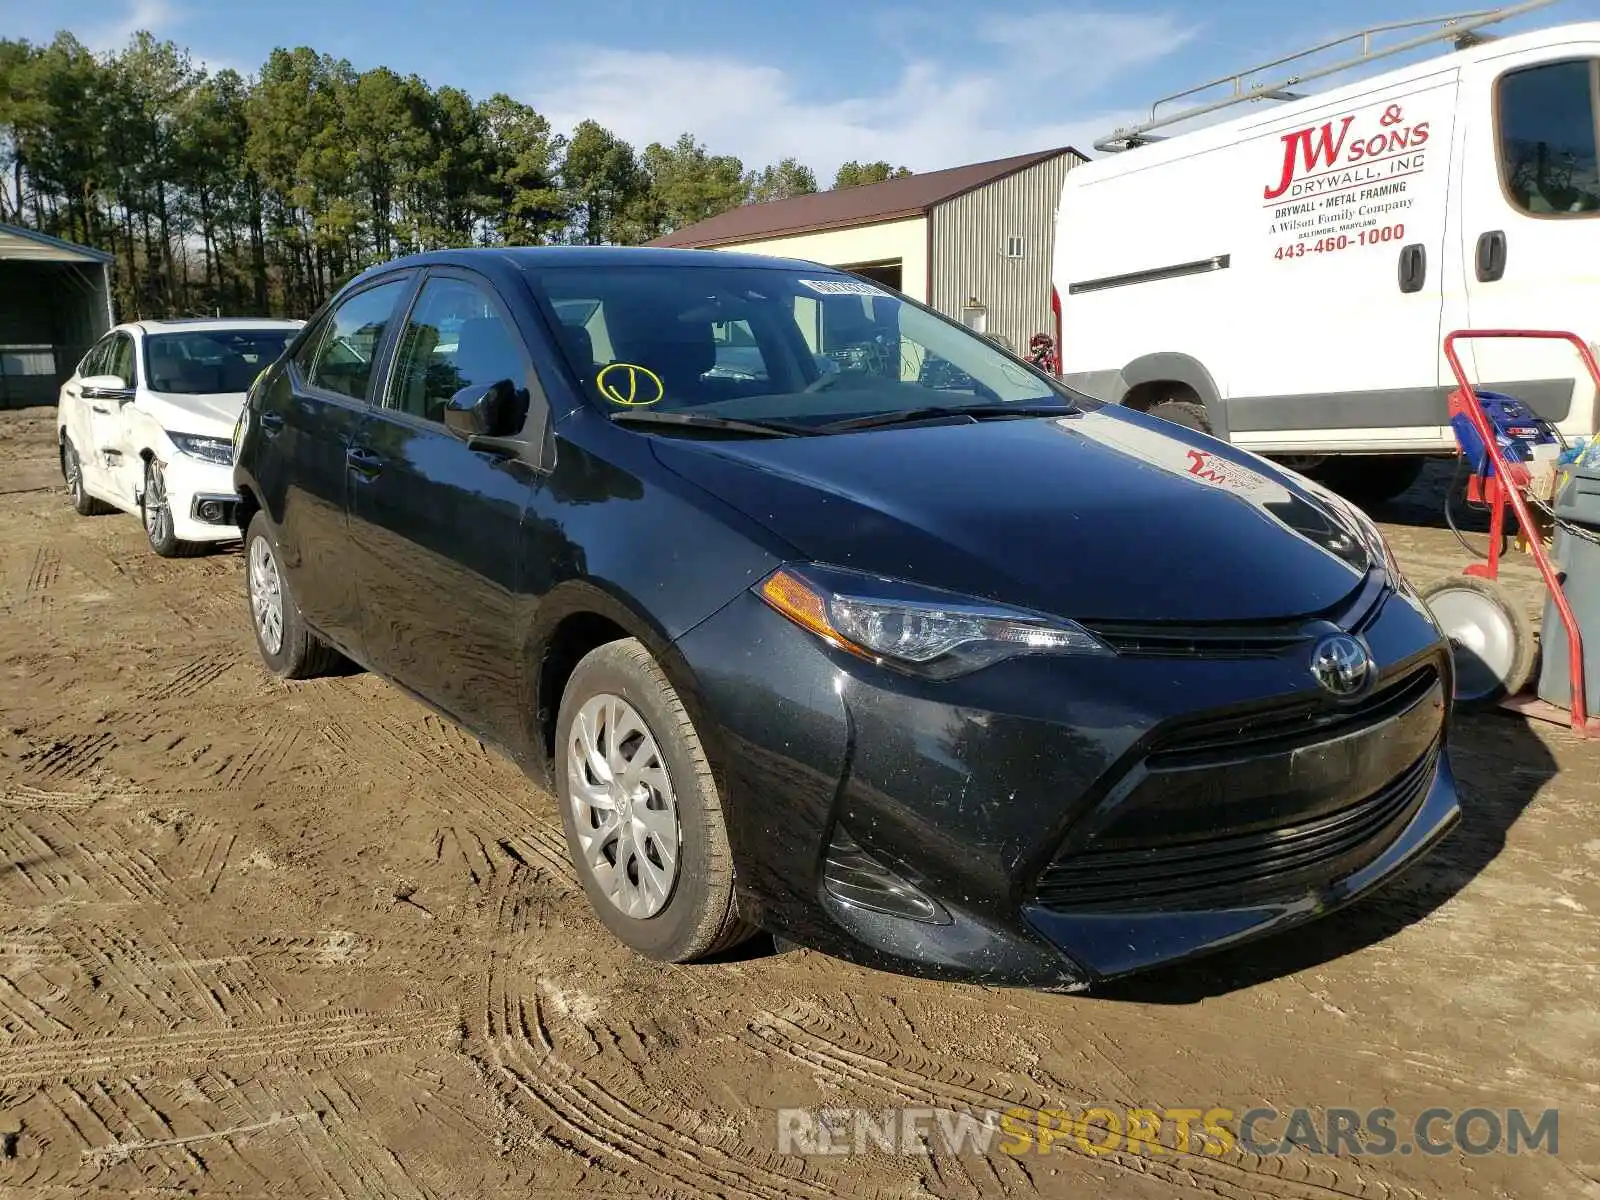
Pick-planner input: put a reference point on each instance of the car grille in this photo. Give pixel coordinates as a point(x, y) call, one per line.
point(1237, 810)
point(1231, 871)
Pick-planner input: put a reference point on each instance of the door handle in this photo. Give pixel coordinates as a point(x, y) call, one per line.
point(1413, 267)
point(363, 462)
point(1491, 262)
point(98, 409)
point(271, 422)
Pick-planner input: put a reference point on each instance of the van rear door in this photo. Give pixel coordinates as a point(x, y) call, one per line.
point(1530, 223)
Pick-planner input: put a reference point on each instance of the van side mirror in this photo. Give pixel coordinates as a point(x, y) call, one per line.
point(484, 410)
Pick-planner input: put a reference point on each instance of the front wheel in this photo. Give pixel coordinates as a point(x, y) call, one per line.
point(157, 513)
point(643, 820)
point(1190, 414)
point(288, 647)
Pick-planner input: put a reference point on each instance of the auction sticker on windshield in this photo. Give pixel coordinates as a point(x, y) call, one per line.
point(842, 287)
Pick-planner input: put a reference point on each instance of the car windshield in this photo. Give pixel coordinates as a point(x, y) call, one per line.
point(756, 344)
point(211, 361)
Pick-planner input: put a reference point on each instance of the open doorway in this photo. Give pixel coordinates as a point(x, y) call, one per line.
point(886, 272)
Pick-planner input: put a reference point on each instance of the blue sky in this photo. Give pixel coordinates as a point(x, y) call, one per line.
point(930, 83)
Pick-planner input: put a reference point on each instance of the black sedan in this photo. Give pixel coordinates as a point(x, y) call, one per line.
point(885, 641)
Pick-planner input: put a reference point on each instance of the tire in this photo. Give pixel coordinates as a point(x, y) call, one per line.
point(690, 915)
point(1372, 478)
point(298, 653)
point(157, 518)
point(1191, 414)
point(83, 503)
point(1491, 638)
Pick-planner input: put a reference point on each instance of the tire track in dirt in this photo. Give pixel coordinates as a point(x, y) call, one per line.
point(20, 795)
point(470, 784)
point(598, 1121)
point(828, 1047)
point(191, 679)
point(71, 757)
point(53, 859)
point(319, 1039)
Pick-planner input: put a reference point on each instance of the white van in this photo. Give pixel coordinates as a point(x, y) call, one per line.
point(1285, 279)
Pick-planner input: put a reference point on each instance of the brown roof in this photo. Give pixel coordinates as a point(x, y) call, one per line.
point(909, 196)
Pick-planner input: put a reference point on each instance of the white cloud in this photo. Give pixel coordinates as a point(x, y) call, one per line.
point(1013, 84)
point(153, 16)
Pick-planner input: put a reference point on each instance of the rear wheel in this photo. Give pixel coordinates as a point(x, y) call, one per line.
point(1191, 414)
point(643, 820)
point(72, 471)
point(157, 513)
point(1491, 638)
point(289, 649)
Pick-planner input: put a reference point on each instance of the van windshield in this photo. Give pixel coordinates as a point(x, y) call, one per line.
point(773, 344)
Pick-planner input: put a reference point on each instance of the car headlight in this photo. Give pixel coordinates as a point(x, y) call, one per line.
point(914, 629)
point(209, 449)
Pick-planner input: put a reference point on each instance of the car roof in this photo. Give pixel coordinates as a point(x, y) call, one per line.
point(526, 258)
point(210, 324)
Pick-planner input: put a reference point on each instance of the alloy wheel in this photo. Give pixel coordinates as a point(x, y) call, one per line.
point(623, 806)
point(266, 595)
point(74, 475)
point(155, 503)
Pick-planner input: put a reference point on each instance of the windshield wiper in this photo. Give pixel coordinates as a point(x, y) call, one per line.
point(699, 421)
point(977, 411)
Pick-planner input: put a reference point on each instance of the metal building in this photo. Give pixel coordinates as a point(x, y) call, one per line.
point(973, 242)
point(55, 302)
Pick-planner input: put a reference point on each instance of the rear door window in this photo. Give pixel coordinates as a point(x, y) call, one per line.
point(345, 357)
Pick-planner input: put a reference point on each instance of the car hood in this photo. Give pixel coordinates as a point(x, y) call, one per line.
point(210, 415)
point(1108, 515)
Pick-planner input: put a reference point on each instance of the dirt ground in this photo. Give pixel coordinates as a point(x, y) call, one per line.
point(260, 939)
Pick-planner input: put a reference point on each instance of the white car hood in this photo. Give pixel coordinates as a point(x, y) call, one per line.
point(209, 415)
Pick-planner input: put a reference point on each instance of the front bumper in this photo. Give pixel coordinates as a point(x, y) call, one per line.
point(1057, 822)
point(202, 498)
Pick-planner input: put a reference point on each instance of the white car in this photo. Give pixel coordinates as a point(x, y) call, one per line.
point(146, 422)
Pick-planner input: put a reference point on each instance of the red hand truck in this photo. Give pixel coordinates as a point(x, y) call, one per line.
point(1507, 487)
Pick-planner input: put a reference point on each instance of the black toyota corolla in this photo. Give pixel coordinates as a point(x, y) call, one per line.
point(821, 614)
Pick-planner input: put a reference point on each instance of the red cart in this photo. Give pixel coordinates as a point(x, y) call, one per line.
point(1487, 628)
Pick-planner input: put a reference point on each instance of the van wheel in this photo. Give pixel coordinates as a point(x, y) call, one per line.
point(1371, 478)
point(1191, 414)
point(641, 811)
point(288, 648)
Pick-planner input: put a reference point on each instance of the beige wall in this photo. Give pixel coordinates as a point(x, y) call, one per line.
point(906, 240)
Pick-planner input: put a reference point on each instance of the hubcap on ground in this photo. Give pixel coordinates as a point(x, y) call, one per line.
point(155, 502)
point(623, 806)
point(1483, 640)
point(266, 595)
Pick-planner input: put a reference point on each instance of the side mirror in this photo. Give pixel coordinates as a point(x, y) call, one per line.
point(484, 410)
point(106, 387)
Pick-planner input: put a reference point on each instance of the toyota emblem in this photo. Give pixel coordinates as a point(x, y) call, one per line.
point(1341, 665)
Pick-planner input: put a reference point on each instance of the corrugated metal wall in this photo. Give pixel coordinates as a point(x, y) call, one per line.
point(970, 238)
point(50, 314)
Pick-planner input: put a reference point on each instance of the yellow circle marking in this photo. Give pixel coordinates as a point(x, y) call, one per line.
point(612, 388)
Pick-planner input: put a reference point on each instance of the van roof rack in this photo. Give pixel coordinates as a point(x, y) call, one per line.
point(1460, 28)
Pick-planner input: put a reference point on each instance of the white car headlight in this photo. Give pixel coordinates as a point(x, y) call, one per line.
point(208, 449)
point(916, 629)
